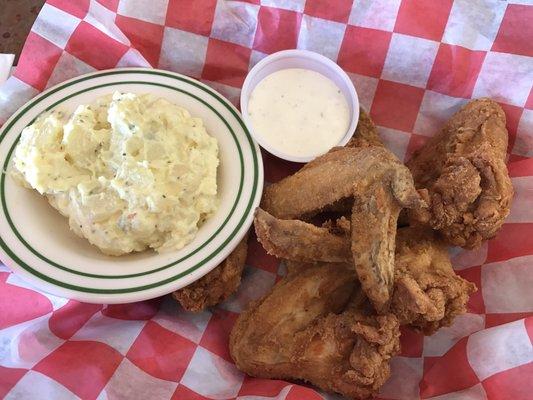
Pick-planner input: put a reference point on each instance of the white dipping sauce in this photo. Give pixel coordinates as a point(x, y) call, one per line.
point(299, 112)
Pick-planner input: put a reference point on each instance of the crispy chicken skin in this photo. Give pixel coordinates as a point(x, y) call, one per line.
point(464, 173)
point(373, 239)
point(366, 133)
point(311, 327)
point(380, 186)
point(300, 240)
point(332, 177)
point(218, 284)
point(427, 293)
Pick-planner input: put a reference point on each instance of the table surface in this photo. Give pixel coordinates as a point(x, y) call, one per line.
point(16, 19)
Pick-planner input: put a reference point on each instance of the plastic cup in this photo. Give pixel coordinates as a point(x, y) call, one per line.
point(306, 60)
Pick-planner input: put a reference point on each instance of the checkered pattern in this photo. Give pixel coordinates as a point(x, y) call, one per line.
point(413, 62)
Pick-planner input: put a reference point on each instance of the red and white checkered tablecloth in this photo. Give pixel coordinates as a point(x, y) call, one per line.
point(413, 62)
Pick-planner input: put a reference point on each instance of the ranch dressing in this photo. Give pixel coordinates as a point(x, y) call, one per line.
point(299, 111)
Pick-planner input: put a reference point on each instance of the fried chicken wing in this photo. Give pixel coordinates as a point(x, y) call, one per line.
point(294, 239)
point(310, 327)
point(380, 186)
point(218, 284)
point(463, 170)
point(427, 293)
point(373, 239)
point(366, 135)
point(331, 178)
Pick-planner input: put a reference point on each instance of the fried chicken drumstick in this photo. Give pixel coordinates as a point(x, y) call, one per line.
point(312, 327)
point(217, 285)
point(463, 170)
point(427, 293)
point(380, 186)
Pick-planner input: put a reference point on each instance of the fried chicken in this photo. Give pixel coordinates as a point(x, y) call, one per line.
point(464, 173)
point(427, 293)
point(366, 133)
point(218, 284)
point(331, 178)
point(373, 239)
point(310, 327)
point(379, 185)
point(294, 239)
point(300, 241)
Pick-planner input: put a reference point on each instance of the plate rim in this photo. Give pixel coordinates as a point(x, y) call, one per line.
point(141, 292)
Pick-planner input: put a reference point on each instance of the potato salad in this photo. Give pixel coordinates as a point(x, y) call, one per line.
point(128, 171)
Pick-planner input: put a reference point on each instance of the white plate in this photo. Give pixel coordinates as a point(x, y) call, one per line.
point(35, 241)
